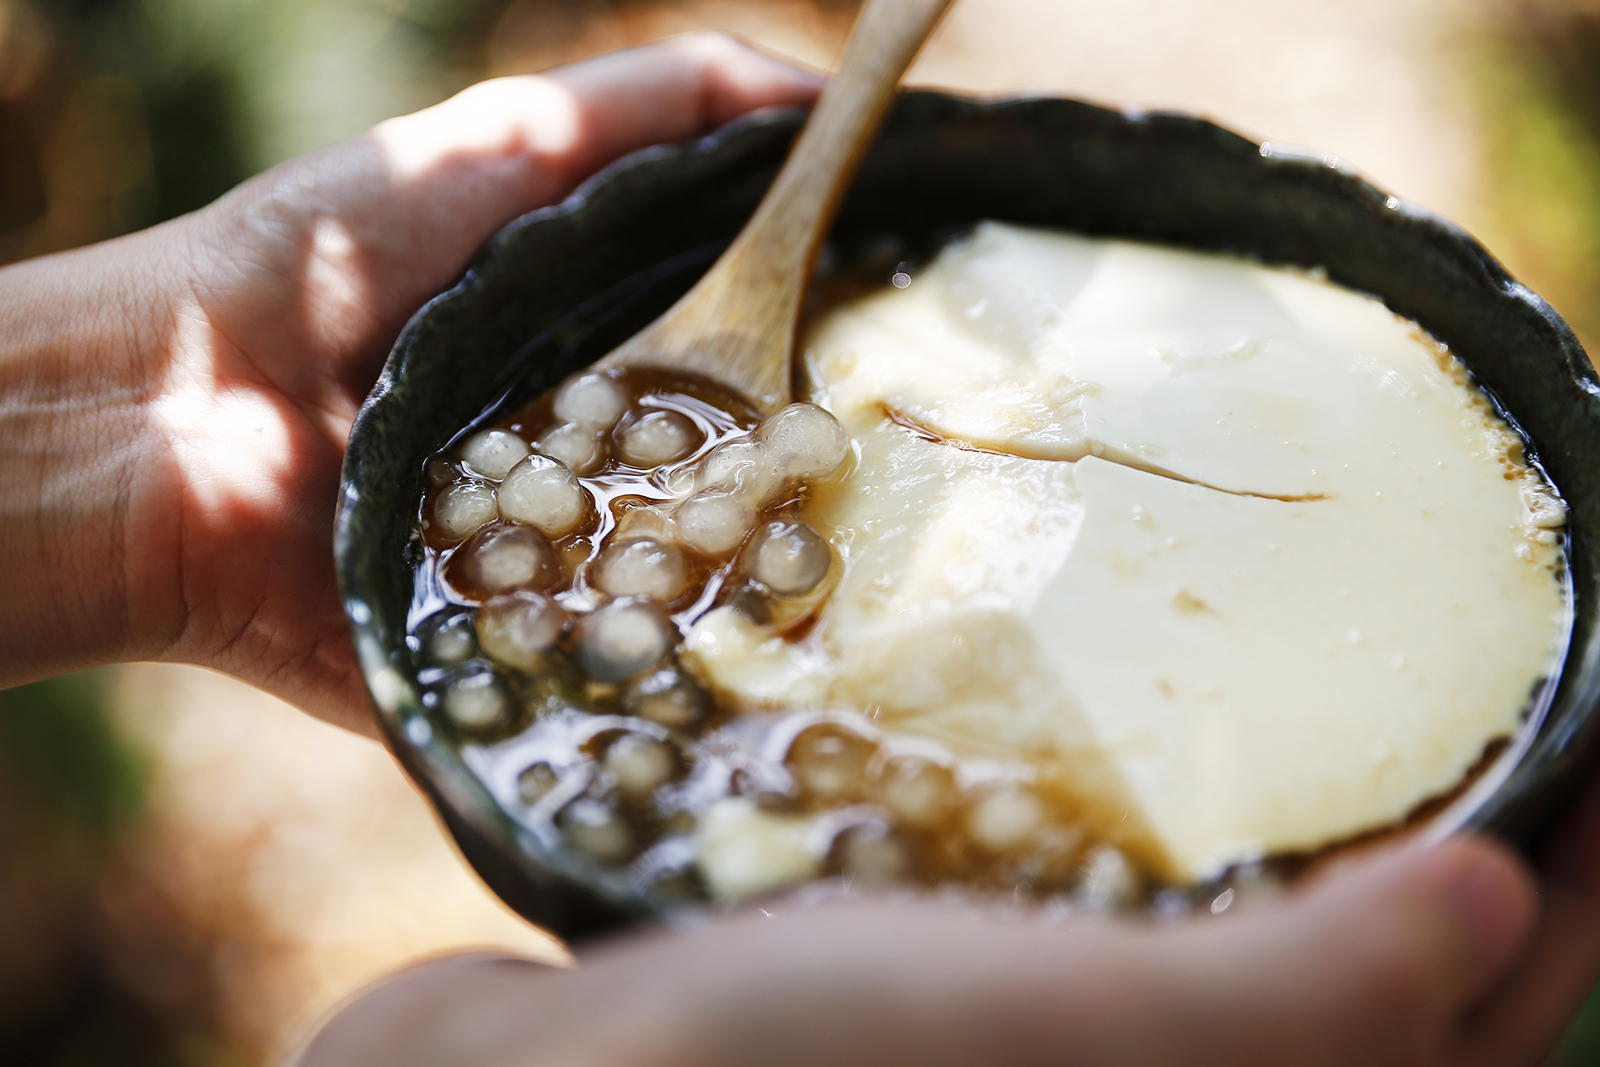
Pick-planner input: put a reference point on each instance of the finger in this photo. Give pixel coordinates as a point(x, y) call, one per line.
point(468, 1010)
point(684, 87)
point(505, 146)
point(1378, 961)
point(1348, 972)
point(1525, 1016)
point(1456, 914)
point(369, 229)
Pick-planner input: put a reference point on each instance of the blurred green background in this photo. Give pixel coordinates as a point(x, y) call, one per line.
point(118, 945)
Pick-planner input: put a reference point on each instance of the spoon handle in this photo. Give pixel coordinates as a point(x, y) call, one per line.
point(795, 214)
point(737, 324)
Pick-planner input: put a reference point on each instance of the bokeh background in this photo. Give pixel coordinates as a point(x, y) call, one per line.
point(191, 873)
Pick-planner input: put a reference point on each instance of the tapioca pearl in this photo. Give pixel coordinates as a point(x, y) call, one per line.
point(641, 764)
point(652, 521)
point(1109, 880)
point(441, 471)
point(1006, 818)
point(1253, 882)
point(544, 493)
point(461, 509)
point(622, 639)
point(597, 828)
point(920, 792)
point(519, 629)
point(789, 558)
point(475, 698)
point(679, 886)
point(714, 522)
point(581, 449)
point(829, 763)
point(742, 467)
point(670, 697)
point(593, 401)
point(552, 686)
point(657, 438)
point(641, 567)
point(804, 441)
point(499, 558)
point(535, 783)
point(447, 638)
point(492, 453)
point(873, 855)
point(679, 481)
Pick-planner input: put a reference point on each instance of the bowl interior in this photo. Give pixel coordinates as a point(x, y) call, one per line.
point(560, 287)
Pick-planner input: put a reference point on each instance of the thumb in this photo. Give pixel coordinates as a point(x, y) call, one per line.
point(1455, 914)
point(1381, 958)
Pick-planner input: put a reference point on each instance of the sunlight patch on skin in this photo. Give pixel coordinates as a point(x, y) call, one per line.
point(232, 443)
point(547, 121)
point(338, 296)
point(333, 277)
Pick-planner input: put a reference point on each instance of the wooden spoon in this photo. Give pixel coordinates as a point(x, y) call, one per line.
point(736, 326)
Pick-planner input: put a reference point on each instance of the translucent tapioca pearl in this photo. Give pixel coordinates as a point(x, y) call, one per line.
point(447, 638)
point(873, 855)
point(651, 521)
point(475, 698)
point(641, 567)
point(593, 401)
point(535, 783)
point(574, 553)
point(920, 792)
point(553, 684)
point(499, 558)
point(622, 639)
point(492, 453)
point(678, 481)
point(641, 764)
point(789, 558)
point(682, 885)
point(804, 441)
point(714, 522)
point(669, 696)
point(1006, 818)
point(656, 438)
point(518, 629)
point(460, 509)
point(1253, 882)
point(598, 829)
point(1109, 880)
point(580, 448)
point(544, 493)
point(829, 763)
point(742, 467)
point(441, 471)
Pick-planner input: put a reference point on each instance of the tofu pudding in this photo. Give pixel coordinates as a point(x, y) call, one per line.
point(1088, 568)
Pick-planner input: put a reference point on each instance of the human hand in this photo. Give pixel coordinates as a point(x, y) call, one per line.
point(174, 404)
point(1412, 956)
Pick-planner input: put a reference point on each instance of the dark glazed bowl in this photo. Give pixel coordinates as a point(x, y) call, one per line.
point(560, 287)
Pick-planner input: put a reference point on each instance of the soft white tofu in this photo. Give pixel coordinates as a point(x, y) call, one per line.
point(1236, 557)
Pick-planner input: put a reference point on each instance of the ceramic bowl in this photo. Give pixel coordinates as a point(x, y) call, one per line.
point(558, 288)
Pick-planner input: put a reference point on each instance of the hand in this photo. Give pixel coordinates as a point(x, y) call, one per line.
point(1411, 957)
point(174, 404)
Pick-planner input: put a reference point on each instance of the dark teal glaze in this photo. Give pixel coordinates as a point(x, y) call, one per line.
point(558, 288)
